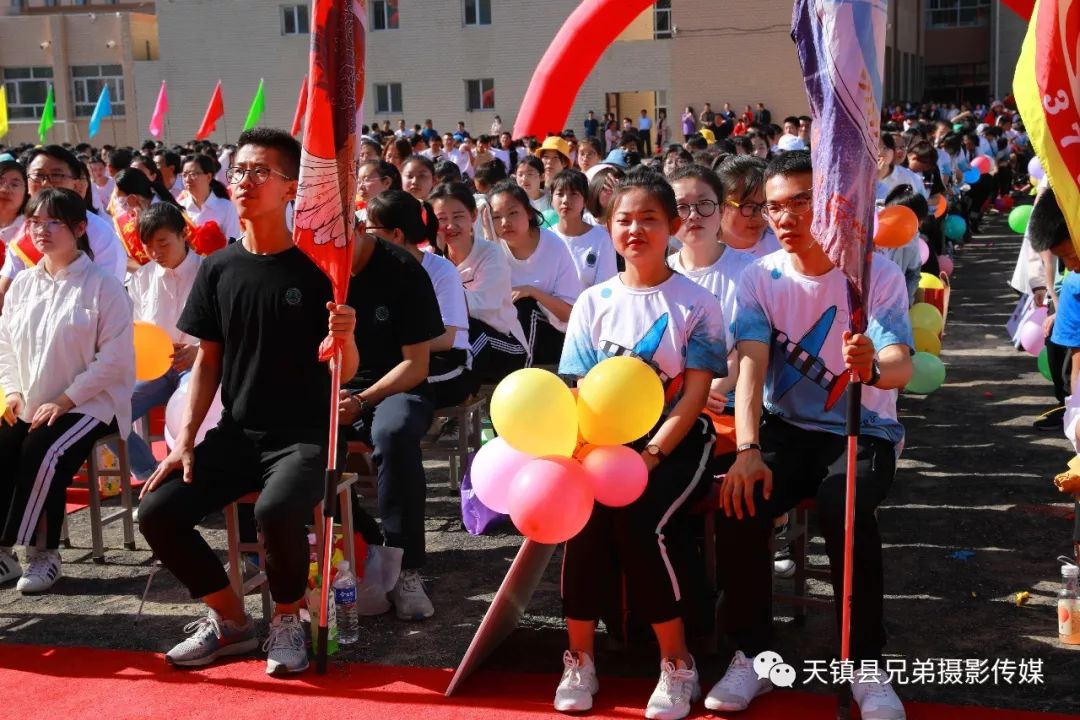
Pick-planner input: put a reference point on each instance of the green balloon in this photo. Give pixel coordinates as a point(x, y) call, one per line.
point(1044, 364)
point(928, 374)
point(1018, 218)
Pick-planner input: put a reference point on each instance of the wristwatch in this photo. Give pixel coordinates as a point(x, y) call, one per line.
point(365, 406)
point(656, 452)
point(875, 374)
point(747, 446)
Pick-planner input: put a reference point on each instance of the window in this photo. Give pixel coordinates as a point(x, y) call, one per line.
point(87, 81)
point(480, 94)
point(662, 27)
point(477, 12)
point(660, 100)
point(27, 88)
point(957, 13)
point(385, 14)
point(388, 98)
point(294, 20)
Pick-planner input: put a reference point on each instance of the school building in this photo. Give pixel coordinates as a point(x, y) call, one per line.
point(452, 60)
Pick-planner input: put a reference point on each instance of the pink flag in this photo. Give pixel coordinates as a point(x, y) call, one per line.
point(157, 122)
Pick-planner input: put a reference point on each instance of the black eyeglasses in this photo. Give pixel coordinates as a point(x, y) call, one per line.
point(259, 174)
point(704, 208)
point(52, 178)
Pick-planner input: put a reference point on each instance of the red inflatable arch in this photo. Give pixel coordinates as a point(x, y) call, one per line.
point(589, 30)
point(574, 52)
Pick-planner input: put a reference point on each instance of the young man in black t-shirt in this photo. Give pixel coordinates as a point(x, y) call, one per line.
point(386, 405)
point(259, 308)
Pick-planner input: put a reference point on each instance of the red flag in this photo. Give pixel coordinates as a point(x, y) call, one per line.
point(1023, 8)
point(215, 112)
point(301, 108)
point(324, 200)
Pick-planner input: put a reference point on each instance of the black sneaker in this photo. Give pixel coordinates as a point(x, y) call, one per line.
point(1052, 420)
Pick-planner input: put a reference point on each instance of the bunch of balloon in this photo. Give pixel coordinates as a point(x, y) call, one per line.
point(557, 452)
point(928, 372)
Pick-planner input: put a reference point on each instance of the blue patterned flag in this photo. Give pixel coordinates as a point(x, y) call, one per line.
point(841, 46)
point(102, 110)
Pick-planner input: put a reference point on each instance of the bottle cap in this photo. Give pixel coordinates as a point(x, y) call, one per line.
point(343, 566)
point(1070, 571)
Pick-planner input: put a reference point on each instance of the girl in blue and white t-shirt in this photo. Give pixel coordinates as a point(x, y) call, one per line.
point(653, 313)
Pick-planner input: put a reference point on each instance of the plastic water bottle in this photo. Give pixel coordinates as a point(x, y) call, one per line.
point(348, 623)
point(1068, 606)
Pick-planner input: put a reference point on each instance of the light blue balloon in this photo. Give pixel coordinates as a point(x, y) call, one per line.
point(972, 176)
point(954, 227)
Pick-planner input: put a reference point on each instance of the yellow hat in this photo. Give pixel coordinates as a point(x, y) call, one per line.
point(708, 135)
point(556, 143)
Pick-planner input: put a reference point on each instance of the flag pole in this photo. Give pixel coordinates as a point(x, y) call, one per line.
point(329, 502)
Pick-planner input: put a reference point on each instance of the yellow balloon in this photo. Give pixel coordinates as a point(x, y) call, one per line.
point(534, 411)
point(930, 282)
point(619, 401)
point(927, 317)
point(153, 351)
point(926, 341)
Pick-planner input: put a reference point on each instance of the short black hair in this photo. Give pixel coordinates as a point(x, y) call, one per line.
point(287, 147)
point(572, 180)
point(654, 184)
point(796, 162)
point(1047, 227)
point(121, 159)
point(56, 152)
point(161, 215)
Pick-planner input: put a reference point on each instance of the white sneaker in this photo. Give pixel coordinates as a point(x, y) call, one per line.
point(738, 687)
point(677, 690)
point(10, 569)
point(876, 698)
point(578, 683)
point(409, 598)
point(42, 571)
point(286, 647)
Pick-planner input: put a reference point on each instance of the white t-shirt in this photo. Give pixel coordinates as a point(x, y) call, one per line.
point(900, 175)
point(550, 269)
point(108, 251)
point(593, 255)
point(802, 319)
point(103, 194)
point(451, 296)
point(722, 280)
point(159, 294)
point(673, 326)
point(485, 274)
point(12, 231)
point(766, 245)
point(219, 209)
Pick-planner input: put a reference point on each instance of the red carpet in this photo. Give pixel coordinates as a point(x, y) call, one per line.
point(116, 685)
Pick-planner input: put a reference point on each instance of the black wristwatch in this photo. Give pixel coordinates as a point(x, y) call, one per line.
point(747, 446)
point(365, 406)
point(875, 374)
point(656, 452)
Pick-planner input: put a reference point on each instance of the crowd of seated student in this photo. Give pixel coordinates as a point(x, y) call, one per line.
point(694, 260)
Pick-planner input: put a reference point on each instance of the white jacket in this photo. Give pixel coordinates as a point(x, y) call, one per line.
point(159, 294)
point(485, 273)
point(70, 334)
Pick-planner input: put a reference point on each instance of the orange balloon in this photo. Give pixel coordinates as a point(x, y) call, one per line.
point(941, 207)
point(153, 351)
point(897, 225)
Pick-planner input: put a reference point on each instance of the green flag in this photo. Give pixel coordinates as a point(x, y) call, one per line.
point(258, 104)
point(48, 116)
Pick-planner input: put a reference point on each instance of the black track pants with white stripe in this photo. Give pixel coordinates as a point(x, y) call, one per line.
point(647, 540)
point(36, 466)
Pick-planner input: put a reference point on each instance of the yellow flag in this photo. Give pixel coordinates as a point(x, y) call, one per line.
point(3, 111)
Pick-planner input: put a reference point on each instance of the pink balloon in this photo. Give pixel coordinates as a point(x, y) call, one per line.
point(618, 474)
point(1032, 337)
point(551, 499)
point(983, 163)
point(946, 264)
point(493, 470)
point(924, 250)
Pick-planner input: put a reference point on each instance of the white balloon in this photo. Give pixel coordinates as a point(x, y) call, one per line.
point(174, 414)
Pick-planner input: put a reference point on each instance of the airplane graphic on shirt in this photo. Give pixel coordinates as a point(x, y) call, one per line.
point(801, 361)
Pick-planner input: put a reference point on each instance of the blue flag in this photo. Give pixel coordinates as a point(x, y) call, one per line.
point(841, 45)
point(103, 109)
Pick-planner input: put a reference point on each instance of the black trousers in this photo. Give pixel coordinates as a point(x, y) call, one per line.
point(394, 431)
point(36, 467)
point(495, 354)
point(808, 464)
point(287, 470)
point(1059, 358)
point(648, 540)
point(545, 341)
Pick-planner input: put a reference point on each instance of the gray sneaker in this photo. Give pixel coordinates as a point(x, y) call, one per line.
point(286, 647)
point(10, 569)
point(213, 637)
point(410, 600)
